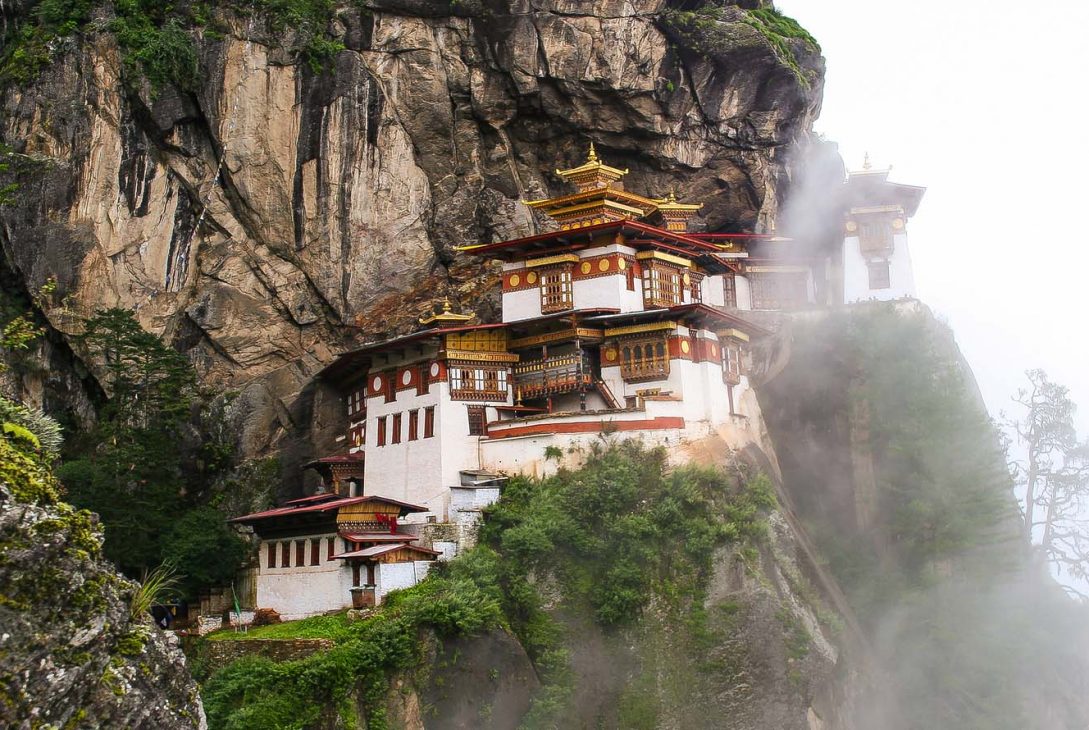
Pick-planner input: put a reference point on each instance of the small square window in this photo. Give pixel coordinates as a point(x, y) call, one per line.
point(879, 274)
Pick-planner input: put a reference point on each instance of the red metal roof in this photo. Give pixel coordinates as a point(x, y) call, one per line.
point(294, 508)
point(376, 550)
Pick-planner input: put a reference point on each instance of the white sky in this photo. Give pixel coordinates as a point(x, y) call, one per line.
point(984, 102)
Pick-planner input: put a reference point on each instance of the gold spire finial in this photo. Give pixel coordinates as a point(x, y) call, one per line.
point(866, 161)
point(592, 157)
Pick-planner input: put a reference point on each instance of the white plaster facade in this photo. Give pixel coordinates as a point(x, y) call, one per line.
point(856, 271)
point(303, 590)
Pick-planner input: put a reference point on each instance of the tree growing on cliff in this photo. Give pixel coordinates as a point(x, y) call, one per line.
point(1053, 474)
point(138, 468)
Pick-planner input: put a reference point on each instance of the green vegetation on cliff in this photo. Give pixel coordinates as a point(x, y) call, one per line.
point(611, 537)
point(156, 40)
point(925, 544)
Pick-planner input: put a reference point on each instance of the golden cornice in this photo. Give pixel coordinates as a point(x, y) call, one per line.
point(647, 205)
point(563, 258)
point(735, 334)
point(640, 328)
point(478, 356)
point(568, 334)
point(665, 257)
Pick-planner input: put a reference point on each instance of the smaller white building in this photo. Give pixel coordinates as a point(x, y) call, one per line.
point(876, 255)
point(327, 552)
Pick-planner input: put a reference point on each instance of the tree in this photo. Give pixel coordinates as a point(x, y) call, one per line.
point(1054, 474)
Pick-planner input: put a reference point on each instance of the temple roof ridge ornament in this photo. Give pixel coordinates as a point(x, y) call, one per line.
point(592, 174)
point(446, 315)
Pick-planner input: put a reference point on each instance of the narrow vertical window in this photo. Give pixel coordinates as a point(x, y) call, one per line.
point(315, 551)
point(300, 553)
point(271, 555)
point(413, 425)
point(477, 426)
point(422, 379)
point(285, 555)
point(381, 436)
point(395, 437)
point(389, 383)
point(629, 274)
point(729, 290)
point(429, 422)
point(331, 548)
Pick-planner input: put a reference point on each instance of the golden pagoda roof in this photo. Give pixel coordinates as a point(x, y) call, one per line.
point(447, 315)
point(592, 173)
point(669, 204)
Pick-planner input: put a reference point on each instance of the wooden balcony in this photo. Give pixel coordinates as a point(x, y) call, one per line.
point(552, 376)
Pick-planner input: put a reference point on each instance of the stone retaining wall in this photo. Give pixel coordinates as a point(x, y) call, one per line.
point(218, 654)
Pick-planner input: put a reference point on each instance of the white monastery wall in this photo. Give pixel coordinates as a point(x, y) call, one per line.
point(744, 292)
point(601, 291)
point(394, 576)
point(305, 590)
point(521, 304)
point(856, 275)
point(713, 292)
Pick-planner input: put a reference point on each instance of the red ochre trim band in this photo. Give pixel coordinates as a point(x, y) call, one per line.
point(652, 424)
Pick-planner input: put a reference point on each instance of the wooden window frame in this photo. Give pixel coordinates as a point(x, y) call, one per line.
point(315, 551)
point(629, 276)
point(331, 543)
point(380, 438)
point(875, 236)
point(729, 290)
point(395, 435)
point(695, 288)
point(638, 364)
point(884, 269)
point(414, 424)
point(478, 381)
point(423, 379)
point(429, 422)
point(285, 554)
point(478, 420)
point(663, 285)
point(767, 290)
point(731, 363)
point(300, 553)
point(270, 555)
point(557, 289)
point(389, 386)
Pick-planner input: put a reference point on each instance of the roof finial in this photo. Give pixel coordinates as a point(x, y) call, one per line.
point(866, 162)
point(592, 157)
point(445, 304)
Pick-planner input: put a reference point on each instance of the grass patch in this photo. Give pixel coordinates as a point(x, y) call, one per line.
point(334, 626)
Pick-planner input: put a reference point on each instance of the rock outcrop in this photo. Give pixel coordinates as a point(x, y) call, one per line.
point(74, 652)
point(276, 215)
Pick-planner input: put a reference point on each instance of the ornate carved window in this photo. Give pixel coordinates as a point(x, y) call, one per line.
point(875, 236)
point(695, 288)
point(879, 274)
point(778, 290)
point(644, 358)
point(556, 289)
point(662, 285)
point(729, 290)
point(357, 402)
point(477, 424)
point(478, 382)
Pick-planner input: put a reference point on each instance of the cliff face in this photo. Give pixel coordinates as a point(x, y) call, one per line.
point(272, 216)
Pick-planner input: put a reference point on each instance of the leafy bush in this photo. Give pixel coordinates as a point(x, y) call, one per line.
point(46, 431)
point(615, 532)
